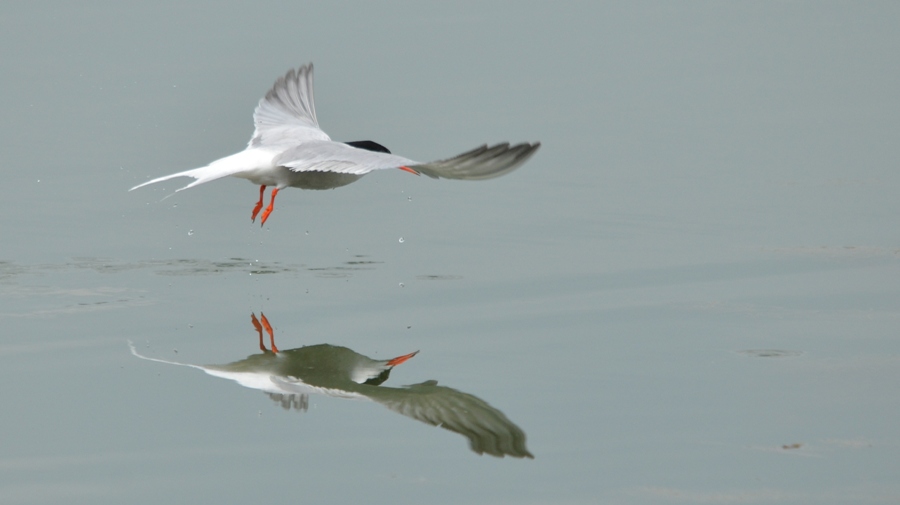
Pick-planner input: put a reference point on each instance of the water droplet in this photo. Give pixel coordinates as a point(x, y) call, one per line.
point(401, 240)
point(401, 285)
point(408, 198)
point(190, 232)
point(307, 232)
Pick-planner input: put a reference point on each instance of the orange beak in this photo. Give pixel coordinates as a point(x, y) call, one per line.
point(400, 359)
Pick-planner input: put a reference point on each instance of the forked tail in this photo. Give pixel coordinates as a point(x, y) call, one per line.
point(196, 173)
point(230, 165)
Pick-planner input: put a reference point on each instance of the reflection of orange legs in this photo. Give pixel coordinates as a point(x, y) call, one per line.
point(268, 326)
point(270, 208)
point(262, 190)
point(259, 329)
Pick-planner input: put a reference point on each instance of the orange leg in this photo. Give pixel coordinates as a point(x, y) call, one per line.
point(258, 330)
point(407, 169)
point(270, 208)
point(269, 330)
point(262, 190)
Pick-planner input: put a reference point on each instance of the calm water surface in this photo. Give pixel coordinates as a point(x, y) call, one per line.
point(689, 295)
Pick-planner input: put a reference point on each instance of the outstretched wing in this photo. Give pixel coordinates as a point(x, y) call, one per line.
point(327, 156)
point(480, 163)
point(488, 429)
point(287, 114)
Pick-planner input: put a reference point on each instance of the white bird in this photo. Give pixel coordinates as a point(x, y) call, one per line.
point(288, 149)
point(290, 376)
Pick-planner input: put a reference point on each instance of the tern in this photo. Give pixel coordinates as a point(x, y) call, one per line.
point(288, 149)
point(291, 375)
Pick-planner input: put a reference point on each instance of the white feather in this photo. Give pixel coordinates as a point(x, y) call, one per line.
point(288, 149)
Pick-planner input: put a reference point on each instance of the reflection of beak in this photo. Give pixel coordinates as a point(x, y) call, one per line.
point(400, 359)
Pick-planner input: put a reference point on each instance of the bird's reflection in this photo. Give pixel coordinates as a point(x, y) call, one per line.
point(291, 375)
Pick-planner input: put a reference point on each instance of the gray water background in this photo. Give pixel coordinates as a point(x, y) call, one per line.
point(689, 295)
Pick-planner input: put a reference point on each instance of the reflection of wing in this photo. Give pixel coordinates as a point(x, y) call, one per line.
point(295, 386)
point(488, 429)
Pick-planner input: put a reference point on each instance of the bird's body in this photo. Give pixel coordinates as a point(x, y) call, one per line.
point(291, 375)
point(288, 149)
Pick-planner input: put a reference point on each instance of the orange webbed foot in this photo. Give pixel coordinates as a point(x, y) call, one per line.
point(270, 208)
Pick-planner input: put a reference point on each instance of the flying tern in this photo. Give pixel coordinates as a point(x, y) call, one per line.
point(288, 149)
